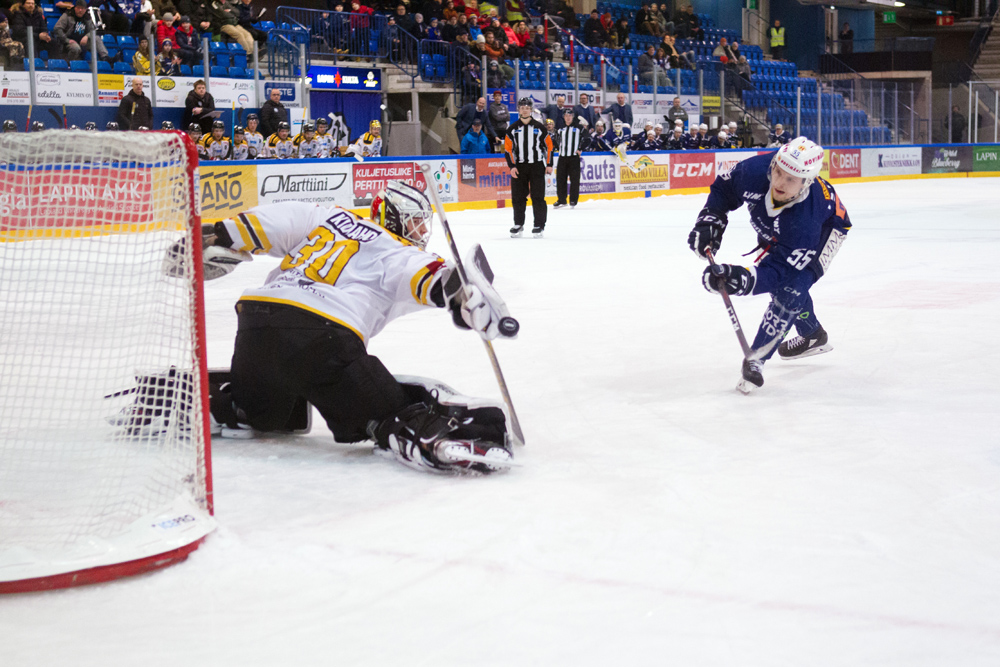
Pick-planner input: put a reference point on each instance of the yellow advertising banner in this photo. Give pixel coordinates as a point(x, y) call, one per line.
point(711, 104)
point(225, 190)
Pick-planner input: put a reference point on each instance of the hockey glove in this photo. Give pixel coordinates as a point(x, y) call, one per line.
point(736, 280)
point(479, 314)
point(216, 260)
point(707, 232)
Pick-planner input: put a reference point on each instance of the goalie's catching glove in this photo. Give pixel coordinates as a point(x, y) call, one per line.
point(737, 280)
point(217, 261)
point(707, 232)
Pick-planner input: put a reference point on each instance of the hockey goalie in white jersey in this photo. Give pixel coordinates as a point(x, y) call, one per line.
point(303, 334)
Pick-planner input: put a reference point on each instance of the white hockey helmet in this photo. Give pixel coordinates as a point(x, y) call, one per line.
point(404, 210)
point(617, 124)
point(703, 126)
point(732, 126)
point(723, 135)
point(800, 157)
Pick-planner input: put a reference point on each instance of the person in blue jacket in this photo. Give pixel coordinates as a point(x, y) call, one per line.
point(800, 224)
point(475, 142)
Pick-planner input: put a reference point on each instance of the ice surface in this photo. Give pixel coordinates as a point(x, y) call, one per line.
point(846, 514)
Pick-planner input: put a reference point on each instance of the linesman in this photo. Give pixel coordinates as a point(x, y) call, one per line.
point(528, 149)
point(572, 142)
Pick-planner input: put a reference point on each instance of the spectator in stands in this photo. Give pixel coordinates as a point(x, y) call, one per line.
point(135, 110)
point(72, 34)
point(608, 23)
point(662, 64)
point(593, 32)
point(510, 38)
point(677, 60)
point(475, 142)
point(495, 78)
point(478, 48)
point(471, 112)
point(433, 31)
point(563, 13)
point(584, 111)
point(23, 15)
point(958, 126)
point(449, 11)
point(777, 34)
point(722, 49)
point(522, 36)
point(449, 31)
point(271, 113)
point(676, 112)
point(419, 27)
point(165, 29)
point(620, 37)
point(463, 26)
point(403, 19)
point(846, 39)
point(493, 48)
point(197, 11)
point(140, 61)
point(644, 24)
point(11, 52)
point(735, 48)
point(168, 60)
point(648, 74)
point(360, 27)
point(620, 110)
point(661, 17)
point(250, 15)
point(434, 9)
point(225, 18)
point(472, 83)
point(689, 25)
point(744, 73)
point(539, 49)
point(472, 11)
point(499, 115)
point(186, 42)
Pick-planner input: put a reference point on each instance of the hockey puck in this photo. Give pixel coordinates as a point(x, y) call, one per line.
point(509, 327)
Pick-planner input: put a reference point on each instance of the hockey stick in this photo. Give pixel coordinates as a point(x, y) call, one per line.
point(717, 270)
point(748, 353)
point(621, 158)
point(27, 123)
point(55, 114)
point(510, 326)
point(65, 118)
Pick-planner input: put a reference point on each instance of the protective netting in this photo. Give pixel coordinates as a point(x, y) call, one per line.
point(101, 422)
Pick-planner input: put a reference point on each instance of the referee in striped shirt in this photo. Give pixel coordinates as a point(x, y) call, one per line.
point(528, 149)
point(572, 141)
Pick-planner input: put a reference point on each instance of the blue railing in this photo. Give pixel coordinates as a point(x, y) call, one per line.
point(284, 53)
point(340, 33)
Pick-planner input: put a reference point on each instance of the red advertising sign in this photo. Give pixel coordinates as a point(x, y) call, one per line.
point(483, 179)
point(369, 178)
point(692, 170)
point(845, 163)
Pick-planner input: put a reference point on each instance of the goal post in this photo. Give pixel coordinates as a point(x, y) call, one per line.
point(105, 462)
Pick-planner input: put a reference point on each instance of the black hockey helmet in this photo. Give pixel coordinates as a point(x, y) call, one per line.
point(37, 126)
point(238, 129)
point(166, 125)
point(90, 126)
point(218, 125)
point(525, 102)
point(253, 116)
point(322, 121)
point(112, 125)
point(9, 126)
point(284, 126)
point(309, 126)
point(194, 127)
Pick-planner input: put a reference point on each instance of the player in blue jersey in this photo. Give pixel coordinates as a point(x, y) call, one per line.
point(620, 133)
point(800, 224)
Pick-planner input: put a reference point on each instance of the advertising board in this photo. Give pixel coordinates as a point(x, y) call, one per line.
point(371, 177)
point(692, 170)
point(225, 190)
point(325, 183)
point(890, 161)
point(986, 158)
point(653, 172)
point(947, 159)
point(483, 179)
point(845, 163)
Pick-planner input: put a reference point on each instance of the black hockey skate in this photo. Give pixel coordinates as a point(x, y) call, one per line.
point(559, 205)
point(752, 376)
point(800, 348)
point(515, 231)
point(536, 231)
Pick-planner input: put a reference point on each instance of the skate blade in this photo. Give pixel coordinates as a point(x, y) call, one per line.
point(496, 459)
point(237, 433)
point(537, 235)
point(809, 353)
point(515, 235)
point(746, 387)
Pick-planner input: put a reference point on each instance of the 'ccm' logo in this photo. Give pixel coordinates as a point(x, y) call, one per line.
point(693, 170)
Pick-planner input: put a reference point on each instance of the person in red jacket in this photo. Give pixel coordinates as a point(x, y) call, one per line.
point(165, 30)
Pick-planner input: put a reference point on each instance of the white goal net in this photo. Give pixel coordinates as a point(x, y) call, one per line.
point(104, 469)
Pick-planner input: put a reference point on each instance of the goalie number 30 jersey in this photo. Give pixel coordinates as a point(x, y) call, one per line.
point(336, 265)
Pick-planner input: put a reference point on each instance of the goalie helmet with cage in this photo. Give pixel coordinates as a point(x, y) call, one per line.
point(404, 211)
point(802, 158)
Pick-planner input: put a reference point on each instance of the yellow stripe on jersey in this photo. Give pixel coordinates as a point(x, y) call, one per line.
point(253, 234)
point(420, 284)
point(248, 244)
point(296, 304)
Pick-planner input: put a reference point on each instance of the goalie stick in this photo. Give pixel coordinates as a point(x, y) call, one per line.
point(508, 324)
point(55, 114)
point(622, 158)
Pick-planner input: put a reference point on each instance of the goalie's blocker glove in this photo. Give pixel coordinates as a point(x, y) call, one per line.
point(737, 280)
point(707, 232)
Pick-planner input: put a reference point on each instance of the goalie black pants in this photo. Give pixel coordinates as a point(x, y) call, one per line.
point(283, 353)
point(568, 166)
point(530, 179)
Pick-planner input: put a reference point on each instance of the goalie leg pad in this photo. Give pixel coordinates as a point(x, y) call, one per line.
point(153, 410)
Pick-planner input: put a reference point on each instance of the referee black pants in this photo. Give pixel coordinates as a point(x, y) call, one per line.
point(569, 165)
point(530, 179)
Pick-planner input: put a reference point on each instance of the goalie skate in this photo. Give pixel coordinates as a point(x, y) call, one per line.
point(752, 377)
point(471, 456)
point(800, 348)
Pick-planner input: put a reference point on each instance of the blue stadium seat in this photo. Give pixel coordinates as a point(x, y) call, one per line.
point(221, 60)
point(127, 42)
point(39, 64)
point(198, 71)
point(239, 60)
point(109, 40)
point(122, 68)
point(236, 73)
point(185, 70)
point(103, 67)
point(79, 66)
point(58, 65)
point(235, 49)
point(220, 72)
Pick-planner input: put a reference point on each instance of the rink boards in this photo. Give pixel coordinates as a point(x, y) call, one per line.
point(484, 182)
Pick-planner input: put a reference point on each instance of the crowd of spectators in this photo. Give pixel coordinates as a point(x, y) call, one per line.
point(176, 26)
